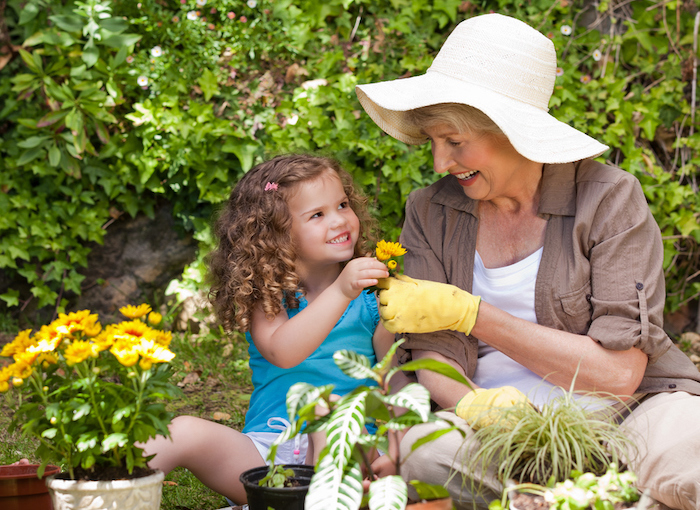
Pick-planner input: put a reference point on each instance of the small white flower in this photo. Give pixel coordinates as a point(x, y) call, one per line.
point(201, 2)
point(566, 29)
point(293, 119)
point(252, 3)
point(129, 59)
point(597, 55)
point(559, 71)
point(156, 51)
point(192, 15)
point(142, 81)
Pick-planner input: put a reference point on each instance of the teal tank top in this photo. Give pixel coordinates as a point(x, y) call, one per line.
point(354, 331)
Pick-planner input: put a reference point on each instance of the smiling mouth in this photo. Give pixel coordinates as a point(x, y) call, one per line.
point(339, 239)
point(466, 175)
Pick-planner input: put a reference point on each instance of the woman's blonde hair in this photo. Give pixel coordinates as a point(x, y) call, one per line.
point(464, 118)
point(254, 262)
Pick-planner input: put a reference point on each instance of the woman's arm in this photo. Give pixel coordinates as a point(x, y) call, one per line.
point(286, 342)
point(560, 356)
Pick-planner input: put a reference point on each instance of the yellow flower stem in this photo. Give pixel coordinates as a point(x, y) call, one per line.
point(37, 381)
point(94, 402)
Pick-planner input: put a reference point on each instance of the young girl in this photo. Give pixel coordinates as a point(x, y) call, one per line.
point(290, 272)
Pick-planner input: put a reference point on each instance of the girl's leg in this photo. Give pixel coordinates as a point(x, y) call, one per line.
point(214, 453)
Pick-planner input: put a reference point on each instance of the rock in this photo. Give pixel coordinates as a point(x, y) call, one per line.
point(138, 259)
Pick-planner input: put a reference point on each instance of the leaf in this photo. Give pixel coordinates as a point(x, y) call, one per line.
point(355, 365)
point(51, 118)
point(121, 40)
point(208, 84)
point(345, 426)
point(69, 23)
point(29, 155)
point(11, 297)
point(90, 53)
point(388, 493)
point(32, 60)
point(82, 410)
point(54, 156)
point(302, 394)
point(429, 491)
point(114, 440)
point(413, 396)
point(435, 366)
point(32, 141)
point(334, 488)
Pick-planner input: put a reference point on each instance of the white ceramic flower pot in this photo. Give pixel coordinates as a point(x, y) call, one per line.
point(135, 494)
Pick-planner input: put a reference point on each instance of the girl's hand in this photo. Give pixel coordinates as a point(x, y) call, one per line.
point(359, 274)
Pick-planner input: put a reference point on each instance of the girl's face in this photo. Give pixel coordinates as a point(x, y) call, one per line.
point(487, 168)
point(324, 227)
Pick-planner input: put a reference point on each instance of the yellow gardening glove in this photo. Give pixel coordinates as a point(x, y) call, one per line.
point(420, 306)
point(480, 407)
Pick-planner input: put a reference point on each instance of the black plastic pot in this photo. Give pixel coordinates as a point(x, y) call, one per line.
point(279, 498)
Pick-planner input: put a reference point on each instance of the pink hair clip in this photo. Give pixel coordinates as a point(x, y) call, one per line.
point(271, 186)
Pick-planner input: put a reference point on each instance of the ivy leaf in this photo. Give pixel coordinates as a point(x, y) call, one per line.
point(11, 297)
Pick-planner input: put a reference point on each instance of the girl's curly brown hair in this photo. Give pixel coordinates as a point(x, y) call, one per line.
point(254, 262)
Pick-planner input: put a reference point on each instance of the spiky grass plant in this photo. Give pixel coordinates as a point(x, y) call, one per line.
point(542, 446)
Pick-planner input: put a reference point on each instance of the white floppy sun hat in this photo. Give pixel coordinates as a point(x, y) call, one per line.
point(499, 65)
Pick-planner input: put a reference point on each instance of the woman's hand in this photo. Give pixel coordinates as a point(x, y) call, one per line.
point(421, 306)
point(479, 408)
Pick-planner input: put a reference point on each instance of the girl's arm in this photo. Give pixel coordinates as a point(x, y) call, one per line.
point(286, 342)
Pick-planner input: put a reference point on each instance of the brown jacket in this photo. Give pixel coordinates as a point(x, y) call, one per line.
point(601, 272)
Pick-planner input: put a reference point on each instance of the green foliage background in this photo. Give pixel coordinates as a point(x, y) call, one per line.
point(82, 142)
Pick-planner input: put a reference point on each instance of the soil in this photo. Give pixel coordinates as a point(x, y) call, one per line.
point(524, 501)
point(107, 473)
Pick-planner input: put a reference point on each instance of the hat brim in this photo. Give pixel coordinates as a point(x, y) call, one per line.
point(533, 132)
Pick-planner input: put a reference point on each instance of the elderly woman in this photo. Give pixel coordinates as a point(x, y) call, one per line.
point(562, 250)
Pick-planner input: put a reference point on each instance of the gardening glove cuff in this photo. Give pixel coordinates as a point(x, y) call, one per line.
point(420, 306)
point(480, 407)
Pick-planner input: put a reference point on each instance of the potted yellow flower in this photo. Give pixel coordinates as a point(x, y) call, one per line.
point(90, 395)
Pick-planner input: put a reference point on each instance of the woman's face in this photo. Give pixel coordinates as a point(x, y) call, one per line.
point(485, 165)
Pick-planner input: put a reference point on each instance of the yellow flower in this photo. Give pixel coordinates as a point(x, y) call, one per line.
point(105, 339)
point(78, 351)
point(21, 370)
point(155, 318)
point(391, 264)
point(134, 330)
point(386, 250)
point(46, 359)
point(162, 337)
point(17, 381)
point(126, 356)
point(135, 312)
point(5, 374)
point(75, 322)
point(20, 344)
point(151, 352)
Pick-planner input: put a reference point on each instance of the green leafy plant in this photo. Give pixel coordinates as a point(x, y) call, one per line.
point(92, 394)
point(582, 491)
point(337, 482)
point(278, 476)
point(544, 446)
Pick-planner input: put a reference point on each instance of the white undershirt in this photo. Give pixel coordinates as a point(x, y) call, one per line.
point(512, 289)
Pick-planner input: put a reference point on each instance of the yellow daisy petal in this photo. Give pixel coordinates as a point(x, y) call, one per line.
point(135, 312)
point(386, 250)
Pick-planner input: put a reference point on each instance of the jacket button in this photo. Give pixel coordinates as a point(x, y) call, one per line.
point(671, 386)
point(640, 286)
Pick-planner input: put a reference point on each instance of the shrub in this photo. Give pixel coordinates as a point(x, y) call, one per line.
point(110, 105)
